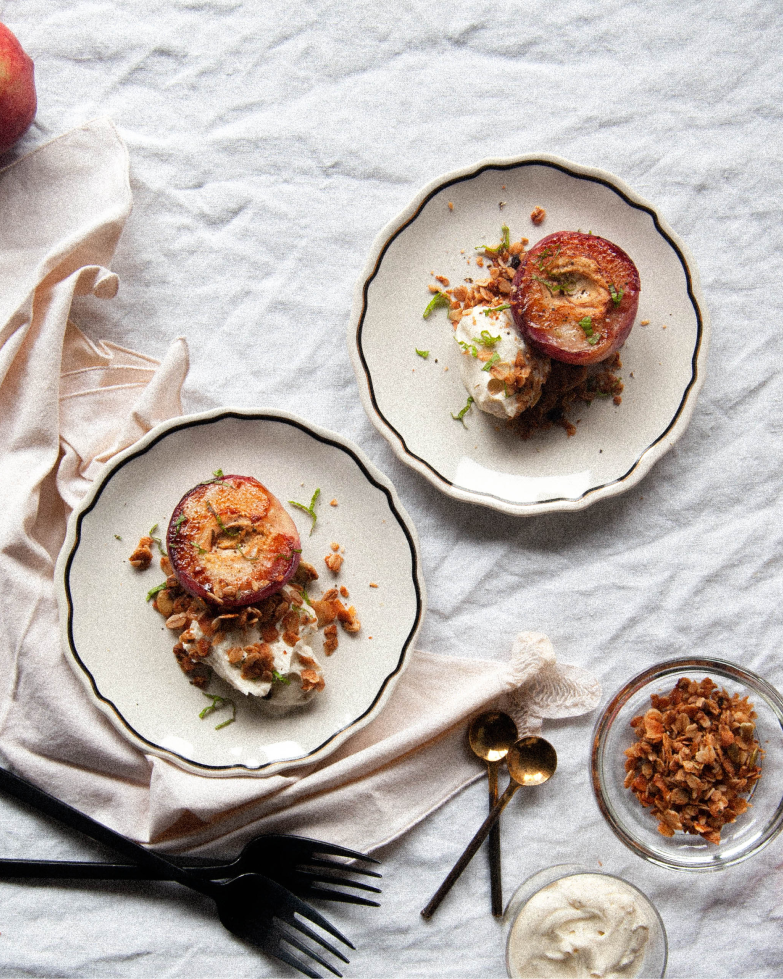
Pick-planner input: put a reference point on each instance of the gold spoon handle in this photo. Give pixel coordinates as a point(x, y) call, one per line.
point(495, 870)
point(470, 852)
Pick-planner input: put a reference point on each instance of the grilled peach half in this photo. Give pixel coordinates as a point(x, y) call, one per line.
point(231, 542)
point(575, 297)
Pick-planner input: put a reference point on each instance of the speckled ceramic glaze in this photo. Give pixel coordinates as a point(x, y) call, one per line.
point(120, 648)
point(411, 400)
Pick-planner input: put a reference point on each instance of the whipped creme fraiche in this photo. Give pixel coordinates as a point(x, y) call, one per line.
point(500, 372)
point(586, 925)
point(296, 674)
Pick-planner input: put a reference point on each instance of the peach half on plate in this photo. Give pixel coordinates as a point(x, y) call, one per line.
point(575, 297)
point(231, 542)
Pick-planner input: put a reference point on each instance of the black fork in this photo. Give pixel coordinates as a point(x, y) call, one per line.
point(256, 909)
point(300, 864)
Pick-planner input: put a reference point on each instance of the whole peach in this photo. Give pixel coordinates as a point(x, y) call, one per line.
point(17, 90)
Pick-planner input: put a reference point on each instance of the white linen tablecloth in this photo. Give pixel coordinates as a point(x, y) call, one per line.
point(268, 145)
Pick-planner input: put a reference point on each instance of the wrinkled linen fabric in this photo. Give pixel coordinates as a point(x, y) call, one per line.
point(67, 406)
point(269, 144)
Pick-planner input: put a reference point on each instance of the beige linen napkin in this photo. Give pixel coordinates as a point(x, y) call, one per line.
point(68, 404)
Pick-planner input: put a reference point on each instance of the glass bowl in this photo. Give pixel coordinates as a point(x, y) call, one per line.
point(635, 825)
point(581, 926)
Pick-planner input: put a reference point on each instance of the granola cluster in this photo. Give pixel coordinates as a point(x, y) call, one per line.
point(566, 386)
point(696, 758)
point(279, 616)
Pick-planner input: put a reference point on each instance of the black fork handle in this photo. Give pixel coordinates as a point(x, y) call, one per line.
point(159, 867)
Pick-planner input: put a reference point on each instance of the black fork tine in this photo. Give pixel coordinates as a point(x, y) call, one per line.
point(302, 927)
point(341, 897)
point(292, 904)
point(302, 844)
point(308, 876)
point(306, 865)
point(283, 936)
point(273, 946)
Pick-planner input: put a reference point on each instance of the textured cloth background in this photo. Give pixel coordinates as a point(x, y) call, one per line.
point(268, 145)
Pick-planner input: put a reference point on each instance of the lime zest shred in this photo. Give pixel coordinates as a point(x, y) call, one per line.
point(309, 510)
point(217, 703)
point(279, 678)
point(491, 362)
point(502, 247)
point(424, 354)
point(495, 309)
point(486, 339)
point(439, 299)
point(616, 294)
point(460, 416)
point(157, 540)
point(154, 591)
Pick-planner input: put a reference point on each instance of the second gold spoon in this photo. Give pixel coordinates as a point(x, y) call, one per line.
point(491, 734)
point(531, 761)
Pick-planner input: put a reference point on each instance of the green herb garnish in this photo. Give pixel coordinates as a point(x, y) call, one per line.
point(157, 540)
point(306, 597)
point(217, 475)
point(503, 246)
point(587, 326)
point(117, 537)
point(154, 591)
point(616, 294)
point(469, 348)
point(460, 416)
point(491, 362)
point(439, 299)
point(424, 354)
point(217, 703)
point(486, 339)
point(252, 560)
point(223, 527)
point(310, 510)
point(180, 521)
point(279, 678)
point(495, 309)
point(555, 287)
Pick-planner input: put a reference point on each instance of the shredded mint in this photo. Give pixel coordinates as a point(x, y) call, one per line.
point(486, 339)
point(424, 354)
point(469, 348)
point(616, 294)
point(491, 362)
point(460, 416)
point(495, 309)
point(279, 678)
point(439, 299)
point(217, 703)
point(117, 537)
point(217, 475)
point(587, 326)
point(180, 521)
point(223, 527)
point(157, 540)
point(154, 591)
point(502, 247)
point(310, 510)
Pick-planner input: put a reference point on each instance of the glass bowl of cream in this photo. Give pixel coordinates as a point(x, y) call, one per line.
point(567, 922)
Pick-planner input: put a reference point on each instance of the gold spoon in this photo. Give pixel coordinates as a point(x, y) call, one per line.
point(531, 761)
point(491, 734)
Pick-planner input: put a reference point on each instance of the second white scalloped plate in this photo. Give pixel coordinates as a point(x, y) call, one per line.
point(411, 400)
point(122, 652)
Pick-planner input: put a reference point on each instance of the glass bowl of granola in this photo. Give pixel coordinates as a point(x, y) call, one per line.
point(687, 764)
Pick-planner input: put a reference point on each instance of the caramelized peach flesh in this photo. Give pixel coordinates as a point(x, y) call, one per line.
point(231, 542)
point(575, 297)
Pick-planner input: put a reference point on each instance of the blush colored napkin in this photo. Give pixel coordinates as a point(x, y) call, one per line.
point(67, 405)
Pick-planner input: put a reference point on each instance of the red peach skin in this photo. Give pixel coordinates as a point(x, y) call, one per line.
point(231, 542)
point(575, 297)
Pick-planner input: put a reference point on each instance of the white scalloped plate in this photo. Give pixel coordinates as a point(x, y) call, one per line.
point(120, 649)
point(411, 401)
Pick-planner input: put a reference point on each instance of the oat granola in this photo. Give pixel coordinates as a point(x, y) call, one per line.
point(696, 759)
